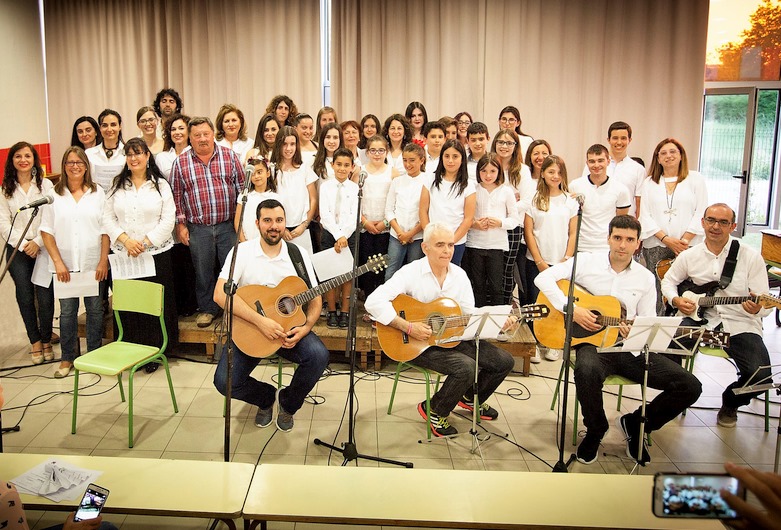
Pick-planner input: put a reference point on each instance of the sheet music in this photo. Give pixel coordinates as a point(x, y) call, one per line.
point(497, 316)
point(124, 267)
point(57, 481)
point(41, 275)
point(80, 284)
point(642, 329)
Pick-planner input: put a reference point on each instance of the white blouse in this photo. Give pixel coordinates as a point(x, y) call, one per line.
point(292, 188)
point(499, 203)
point(403, 203)
point(240, 147)
point(141, 212)
point(375, 194)
point(9, 206)
point(104, 169)
point(551, 228)
point(165, 160)
point(445, 206)
point(673, 214)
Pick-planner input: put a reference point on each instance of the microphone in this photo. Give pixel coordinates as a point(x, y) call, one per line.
point(248, 171)
point(48, 199)
point(580, 198)
point(362, 178)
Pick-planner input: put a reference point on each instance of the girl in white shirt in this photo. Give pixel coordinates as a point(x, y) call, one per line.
point(495, 213)
point(176, 140)
point(305, 127)
point(147, 122)
point(107, 158)
point(330, 141)
point(265, 137)
point(139, 217)
point(370, 125)
point(263, 187)
point(449, 197)
point(325, 116)
point(398, 134)
point(74, 236)
point(232, 131)
point(24, 183)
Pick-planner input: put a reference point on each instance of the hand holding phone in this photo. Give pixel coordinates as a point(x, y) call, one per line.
point(92, 503)
point(695, 495)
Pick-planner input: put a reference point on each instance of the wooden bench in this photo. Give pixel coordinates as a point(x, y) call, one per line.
point(146, 486)
point(452, 499)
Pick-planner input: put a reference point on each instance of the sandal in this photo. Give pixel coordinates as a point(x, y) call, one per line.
point(61, 372)
point(48, 354)
point(36, 356)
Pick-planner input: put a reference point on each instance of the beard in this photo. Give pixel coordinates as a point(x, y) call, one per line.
point(271, 238)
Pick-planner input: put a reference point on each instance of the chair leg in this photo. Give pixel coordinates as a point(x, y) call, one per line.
point(767, 408)
point(279, 372)
point(75, 399)
point(620, 395)
point(395, 382)
point(164, 362)
point(121, 387)
point(130, 407)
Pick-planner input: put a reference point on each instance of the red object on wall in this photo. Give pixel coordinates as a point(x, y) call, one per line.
point(44, 152)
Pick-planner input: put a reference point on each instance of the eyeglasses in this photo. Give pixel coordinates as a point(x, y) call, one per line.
point(147, 120)
point(134, 155)
point(505, 143)
point(672, 152)
point(465, 122)
point(380, 151)
point(508, 120)
point(710, 221)
point(71, 163)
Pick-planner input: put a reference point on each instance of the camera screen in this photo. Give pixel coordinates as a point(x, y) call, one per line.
point(697, 496)
point(90, 505)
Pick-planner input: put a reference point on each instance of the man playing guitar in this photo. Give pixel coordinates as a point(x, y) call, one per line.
point(428, 279)
point(704, 263)
point(614, 273)
point(267, 261)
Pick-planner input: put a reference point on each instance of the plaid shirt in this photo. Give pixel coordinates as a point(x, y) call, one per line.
point(206, 193)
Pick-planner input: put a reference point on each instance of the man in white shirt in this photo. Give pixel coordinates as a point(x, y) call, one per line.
point(603, 198)
point(426, 280)
point(704, 263)
point(613, 273)
point(267, 261)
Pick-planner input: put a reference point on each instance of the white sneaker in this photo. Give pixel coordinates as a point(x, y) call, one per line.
point(536, 358)
point(553, 355)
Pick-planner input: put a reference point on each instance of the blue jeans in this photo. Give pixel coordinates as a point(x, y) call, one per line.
point(38, 324)
point(458, 254)
point(399, 255)
point(311, 356)
point(69, 324)
point(209, 246)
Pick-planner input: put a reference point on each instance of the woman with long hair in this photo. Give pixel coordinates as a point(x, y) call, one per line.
point(283, 109)
point(108, 157)
point(147, 120)
point(418, 118)
point(86, 133)
point(23, 182)
point(176, 140)
point(305, 127)
point(232, 131)
point(510, 119)
point(398, 134)
point(370, 126)
point(463, 121)
point(330, 141)
point(265, 137)
point(325, 116)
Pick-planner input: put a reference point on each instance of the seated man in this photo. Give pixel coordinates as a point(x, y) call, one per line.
point(267, 261)
point(704, 263)
point(426, 280)
point(613, 273)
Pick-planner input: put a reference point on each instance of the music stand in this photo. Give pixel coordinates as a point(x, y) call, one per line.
point(657, 333)
point(766, 383)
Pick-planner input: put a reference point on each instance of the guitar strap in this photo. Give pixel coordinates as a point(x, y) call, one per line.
point(298, 263)
point(729, 265)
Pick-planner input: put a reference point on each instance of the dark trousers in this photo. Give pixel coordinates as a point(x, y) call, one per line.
point(485, 268)
point(370, 245)
point(37, 322)
point(680, 389)
point(209, 246)
point(531, 272)
point(749, 352)
point(184, 280)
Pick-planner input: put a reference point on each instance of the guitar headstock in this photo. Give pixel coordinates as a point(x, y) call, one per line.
point(378, 263)
point(716, 339)
point(769, 301)
point(533, 311)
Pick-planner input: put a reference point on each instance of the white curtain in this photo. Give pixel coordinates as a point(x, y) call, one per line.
point(119, 53)
point(571, 66)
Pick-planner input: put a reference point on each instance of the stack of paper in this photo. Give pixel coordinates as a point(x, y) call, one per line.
point(56, 480)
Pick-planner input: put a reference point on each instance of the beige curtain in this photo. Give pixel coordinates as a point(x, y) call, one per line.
point(571, 66)
point(119, 53)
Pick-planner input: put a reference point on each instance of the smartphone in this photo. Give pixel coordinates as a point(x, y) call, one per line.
point(694, 495)
point(92, 502)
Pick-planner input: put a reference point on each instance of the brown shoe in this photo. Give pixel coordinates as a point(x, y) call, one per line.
point(204, 320)
point(55, 338)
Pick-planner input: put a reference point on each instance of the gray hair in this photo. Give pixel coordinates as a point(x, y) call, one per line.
point(432, 228)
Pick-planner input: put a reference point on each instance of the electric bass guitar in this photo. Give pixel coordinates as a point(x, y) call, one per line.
point(700, 295)
point(443, 316)
point(551, 331)
point(282, 304)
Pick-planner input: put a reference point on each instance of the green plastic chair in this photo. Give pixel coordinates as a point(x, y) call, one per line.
point(427, 376)
point(136, 296)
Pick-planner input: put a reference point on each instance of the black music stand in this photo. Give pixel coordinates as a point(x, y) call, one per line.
point(766, 383)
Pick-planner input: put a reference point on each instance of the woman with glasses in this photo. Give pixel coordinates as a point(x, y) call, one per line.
point(510, 119)
point(139, 217)
point(674, 200)
point(232, 131)
point(463, 121)
point(73, 233)
point(147, 121)
point(108, 157)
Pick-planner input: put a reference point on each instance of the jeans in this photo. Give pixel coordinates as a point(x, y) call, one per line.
point(69, 315)
point(458, 364)
point(485, 267)
point(37, 324)
point(680, 389)
point(311, 356)
point(209, 246)
point(399, 255)
point(749, 352)
point(458, 254)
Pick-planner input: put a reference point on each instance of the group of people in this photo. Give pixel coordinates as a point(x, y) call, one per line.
point(457, 211)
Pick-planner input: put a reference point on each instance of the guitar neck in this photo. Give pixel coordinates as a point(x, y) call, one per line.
point(336, 281)
point(711, 301)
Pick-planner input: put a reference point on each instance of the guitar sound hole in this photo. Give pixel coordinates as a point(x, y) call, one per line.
point(436, 323)
point(286, 306)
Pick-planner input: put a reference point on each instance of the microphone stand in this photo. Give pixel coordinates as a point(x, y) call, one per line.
point(230, 291)
point(562, 466)
point(349, 448)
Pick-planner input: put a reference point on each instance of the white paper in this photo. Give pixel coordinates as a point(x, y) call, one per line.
point(497, 317)
point(82, 284)
point(57, 481)
point(329, 263)
point(642, 329)
point(124, 267)
point(41, 275)
point(104, 175)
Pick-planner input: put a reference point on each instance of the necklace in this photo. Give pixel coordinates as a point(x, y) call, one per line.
point(669, 198)
point(109, 151)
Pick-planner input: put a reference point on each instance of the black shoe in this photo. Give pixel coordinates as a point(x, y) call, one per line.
point(439, 425)
point(588, 450)
point(344, 320)
point(630, 426)
point(151, 367)
point(727, 417)
point(333, 320)
point(487, 412)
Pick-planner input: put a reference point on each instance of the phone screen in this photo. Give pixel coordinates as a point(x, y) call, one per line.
point(91, 504)
point(694, 495)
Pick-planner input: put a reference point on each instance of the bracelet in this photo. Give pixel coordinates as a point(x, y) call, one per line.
point(538, 262)
point(409, 329)
point(662, 240)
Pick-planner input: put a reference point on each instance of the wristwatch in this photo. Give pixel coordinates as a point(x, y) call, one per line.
point(386, 223)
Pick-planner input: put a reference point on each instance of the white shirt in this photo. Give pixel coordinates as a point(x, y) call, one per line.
point(253, 267)
point(702, 266)
point(375, 194)
point(499, 203)
point(403, 203)
point(630, 174)
point(396, 163)
point(416, 280)
point(77, 228)
point(525, 142)
point(103, 169)
point(634, 287)
point(250, 213)
point(165, 160)
point(431, 163)
point(551, 228)
point(292, 186)
point(446, 207)
point(141, 212)
point(688, 203)
point(348, 207)
point(599, 208)
point(240, 147)
point(9, 206)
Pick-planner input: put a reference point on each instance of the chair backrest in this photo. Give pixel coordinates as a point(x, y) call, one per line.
point(138, 296)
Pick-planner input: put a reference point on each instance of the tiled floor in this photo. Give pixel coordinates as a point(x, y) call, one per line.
point(690, 443)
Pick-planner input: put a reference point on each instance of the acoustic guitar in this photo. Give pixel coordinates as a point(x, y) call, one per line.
point(282, 304)
point(551, 331)
point(445, 319)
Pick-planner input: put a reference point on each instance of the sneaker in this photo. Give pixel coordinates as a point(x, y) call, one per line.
point(536, 358)
point(439, 425)
point(487, 412)
point(588, 450)
point(151, 368)
point(265, 416)
point(284, 418)
point(204, 320)
point(333, 320)
point(552, 355)
point(630, 426)
point(727, 417)
point(344, 320)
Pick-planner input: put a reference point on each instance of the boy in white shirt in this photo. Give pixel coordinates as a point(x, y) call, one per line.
point(434, 132)
point(477, 138)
